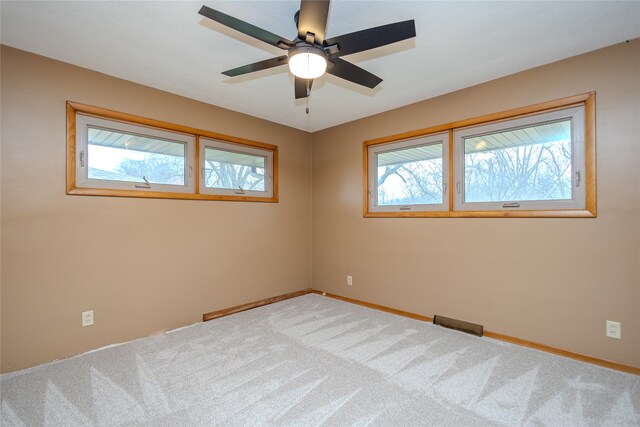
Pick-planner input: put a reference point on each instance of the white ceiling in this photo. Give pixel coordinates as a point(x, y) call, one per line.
point(167, 45)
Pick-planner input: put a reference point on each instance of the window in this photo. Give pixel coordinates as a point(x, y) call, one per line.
point(230, 169)
point(409, 175)
point(536, 161)
point(530, 163)
point(125, 156)
point(117, 154)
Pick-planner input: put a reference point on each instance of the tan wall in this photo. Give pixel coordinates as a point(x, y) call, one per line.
point(142, 265)
point(151, 265)
point(551, 281)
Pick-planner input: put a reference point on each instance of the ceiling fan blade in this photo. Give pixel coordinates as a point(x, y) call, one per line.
point(313, 19)
point(372, 38)
point(256, 66)
point(246, 28)
point(301, 87)
point(353, 73)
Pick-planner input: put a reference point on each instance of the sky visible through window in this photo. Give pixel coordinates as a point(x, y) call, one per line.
point(119, 164)
point(109, 159)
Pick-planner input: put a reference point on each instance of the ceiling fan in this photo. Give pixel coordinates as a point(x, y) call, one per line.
point(310, 54)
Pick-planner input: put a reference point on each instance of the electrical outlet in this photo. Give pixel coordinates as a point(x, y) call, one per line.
point(349, 280)
point(614, 329)
point(87, 318)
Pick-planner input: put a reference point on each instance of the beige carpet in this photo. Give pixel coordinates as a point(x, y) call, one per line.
point(314, 361)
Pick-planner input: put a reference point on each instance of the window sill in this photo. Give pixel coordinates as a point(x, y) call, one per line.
point(165, 195)
point(576, 213)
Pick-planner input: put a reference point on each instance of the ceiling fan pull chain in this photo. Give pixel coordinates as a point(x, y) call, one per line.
point(308, 95)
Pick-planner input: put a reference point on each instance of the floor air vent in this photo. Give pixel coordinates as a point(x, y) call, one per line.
point(458, 325)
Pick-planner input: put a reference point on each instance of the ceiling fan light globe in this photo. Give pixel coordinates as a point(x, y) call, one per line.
point(307, 63)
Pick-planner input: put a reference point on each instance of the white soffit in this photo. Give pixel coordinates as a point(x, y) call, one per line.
point(169, 46)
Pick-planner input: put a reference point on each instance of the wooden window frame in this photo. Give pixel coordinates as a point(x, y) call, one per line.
point(590, 211)
point(73, 188)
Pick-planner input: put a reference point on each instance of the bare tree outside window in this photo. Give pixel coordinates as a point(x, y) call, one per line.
point(236, 170)
point(529, 172)
point(522, 164)
point(410, 183)
point(155, 168)
point(170, 170)
point(229, 175)
point(411, 175)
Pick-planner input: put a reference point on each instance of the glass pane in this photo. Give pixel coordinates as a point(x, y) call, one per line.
point(233, 170)
point(410, 176)
point(117, 156)
point(531, 163)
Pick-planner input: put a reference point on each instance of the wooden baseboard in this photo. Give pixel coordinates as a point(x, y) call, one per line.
point(565, 353)
point(497, 336)
point(375, 306)
point(249, 306)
